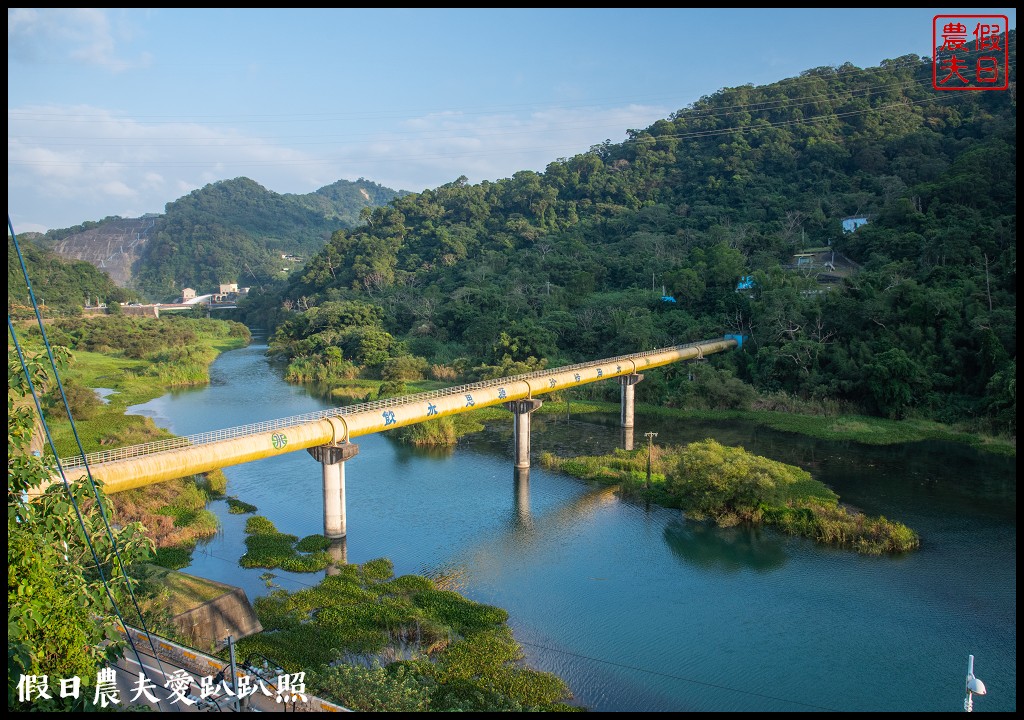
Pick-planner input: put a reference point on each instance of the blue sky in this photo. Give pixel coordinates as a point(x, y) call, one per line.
point(120, 111)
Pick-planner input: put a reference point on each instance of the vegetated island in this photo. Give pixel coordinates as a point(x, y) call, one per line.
point(374, 642)
point(728, 485)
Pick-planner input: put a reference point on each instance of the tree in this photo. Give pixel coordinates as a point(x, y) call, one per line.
point(59, 614)
point(727, 483)
point(892, 379)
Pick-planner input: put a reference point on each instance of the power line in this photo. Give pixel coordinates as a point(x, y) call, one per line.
point(837, 71)
point(677, 677)
point(598, 660)
point(762, 105)
point(481, 153)
point(50, 442)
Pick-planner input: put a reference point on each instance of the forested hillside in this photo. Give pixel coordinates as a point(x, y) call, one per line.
point(570, 264)
point(63, 285)
point(229, 231)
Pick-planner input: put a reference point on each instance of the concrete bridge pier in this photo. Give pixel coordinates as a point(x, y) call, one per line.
point(626, 411)
point(521, 410)
point(332, 458)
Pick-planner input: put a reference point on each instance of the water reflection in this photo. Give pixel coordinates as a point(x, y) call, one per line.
point(406, 454)
point(521, 483)
point(627, 438)
point(571, 513)
point(601, 591)
point(724, 549)
point(338, 550)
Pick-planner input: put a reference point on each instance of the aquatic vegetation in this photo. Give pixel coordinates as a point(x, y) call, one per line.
point(239, 507)
point(729, 485)
point(374, 642)
point(265, 547)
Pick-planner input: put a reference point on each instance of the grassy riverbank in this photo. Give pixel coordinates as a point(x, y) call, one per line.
point(174, 514)
point(455, 655)
point(133, 360)
point(856, 428)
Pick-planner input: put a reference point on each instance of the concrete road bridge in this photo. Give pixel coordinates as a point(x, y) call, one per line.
point(327, 435)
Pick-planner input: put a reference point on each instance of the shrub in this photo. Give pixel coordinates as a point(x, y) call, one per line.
point(82, 400)
point(259, 524)
point(215, 483)
point(444, 373)
point(375, 689)
point(407, 367)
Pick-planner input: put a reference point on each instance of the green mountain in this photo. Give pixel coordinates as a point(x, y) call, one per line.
point(734, 208)
point(229, 231)
point(64, 285)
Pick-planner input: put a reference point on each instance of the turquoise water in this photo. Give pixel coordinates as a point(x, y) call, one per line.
point(637, 609)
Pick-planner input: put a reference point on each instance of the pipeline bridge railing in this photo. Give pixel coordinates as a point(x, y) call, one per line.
point(133, 451)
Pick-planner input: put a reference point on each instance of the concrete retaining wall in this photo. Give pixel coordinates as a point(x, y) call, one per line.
point(208, 625)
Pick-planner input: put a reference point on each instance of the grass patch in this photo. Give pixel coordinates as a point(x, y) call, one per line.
point(134, 380)
point(215, 483)
point(173, 558)
point(312, 543)
point(163, 593)
point(173, 512)
point(858, 428)
point(441, 432)
point(239, 507)
point(259, 525)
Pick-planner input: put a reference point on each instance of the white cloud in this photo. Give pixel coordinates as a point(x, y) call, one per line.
point(117, 189)
point(434, 149)
point(76, 35)
point(71, 164)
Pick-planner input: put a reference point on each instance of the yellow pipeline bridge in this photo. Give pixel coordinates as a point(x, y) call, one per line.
point(139, 465)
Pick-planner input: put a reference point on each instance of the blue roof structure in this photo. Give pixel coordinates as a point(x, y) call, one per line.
point(851, 224)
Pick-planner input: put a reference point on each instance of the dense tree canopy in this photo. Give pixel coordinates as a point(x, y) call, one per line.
point(236, 231)
point(63, 285)
point(571, 263)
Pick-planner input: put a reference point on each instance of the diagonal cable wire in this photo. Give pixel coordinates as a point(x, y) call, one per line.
point(67, 487)
point(60, 469)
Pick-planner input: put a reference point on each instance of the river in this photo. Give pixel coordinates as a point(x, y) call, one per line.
point(637, 609)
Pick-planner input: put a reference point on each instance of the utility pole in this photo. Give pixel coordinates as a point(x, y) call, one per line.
point(650, 449)
point(234, 673)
